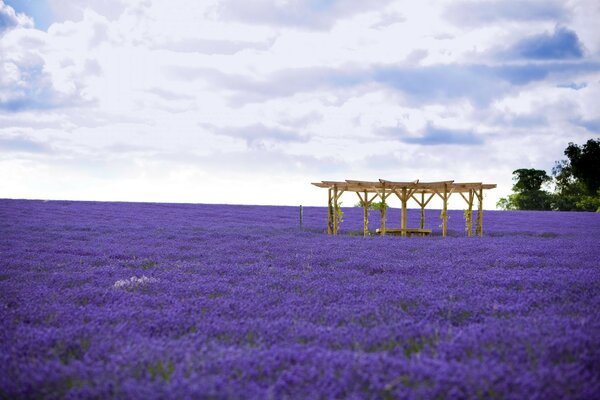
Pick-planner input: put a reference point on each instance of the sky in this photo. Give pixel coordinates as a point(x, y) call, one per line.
point(248, 102)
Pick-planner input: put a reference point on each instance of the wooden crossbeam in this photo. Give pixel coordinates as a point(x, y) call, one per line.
point(446, 194)
point(383, 194)
point(334, 183)
point(429, 199)
point(364, 184)
point(432, 185)
point(422, 202)
point(410, 193)
point(399, 185)
point(417, 200)
point(360, 197)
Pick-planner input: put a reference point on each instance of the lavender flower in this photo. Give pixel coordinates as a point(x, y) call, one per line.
point(124, 300)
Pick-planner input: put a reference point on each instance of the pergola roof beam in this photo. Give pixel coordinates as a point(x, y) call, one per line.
point(419, 187)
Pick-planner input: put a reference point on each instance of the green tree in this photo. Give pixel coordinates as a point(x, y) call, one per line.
point(576, 183)
point(568, 190)
point(585, 164)
point(577, 179)
point(507, 203)
point(528, 193)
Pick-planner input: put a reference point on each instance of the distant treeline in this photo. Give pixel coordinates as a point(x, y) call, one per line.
point(573, 186)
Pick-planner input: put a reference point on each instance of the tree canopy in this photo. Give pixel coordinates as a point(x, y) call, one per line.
point(528, 193)
point(585, 164)
point(576, 183)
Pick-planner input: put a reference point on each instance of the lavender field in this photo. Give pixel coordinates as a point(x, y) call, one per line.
point(125, 300)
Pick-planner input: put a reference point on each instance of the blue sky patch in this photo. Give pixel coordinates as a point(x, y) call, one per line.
point(39, 10)
point(433, 136)
point(592, 125)
point(22, 144)
point(572, 85)
point(563, 44)
point(474, 13)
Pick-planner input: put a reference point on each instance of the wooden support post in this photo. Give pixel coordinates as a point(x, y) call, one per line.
point(383, 213)
point(468, 212)
point(329, 212)
point(404, 211)
point(480, 213)
point(422, 210)
point(366, 215)
point(445, 211)
point(335, 209)
point(469, 215)
point(383, 210)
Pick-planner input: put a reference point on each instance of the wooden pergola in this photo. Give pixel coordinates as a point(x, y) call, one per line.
point(421, 192)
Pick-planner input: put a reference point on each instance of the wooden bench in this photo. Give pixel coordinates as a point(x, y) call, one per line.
point(408, 231)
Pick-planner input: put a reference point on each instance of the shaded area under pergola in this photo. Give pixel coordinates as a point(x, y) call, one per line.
point(421, 192)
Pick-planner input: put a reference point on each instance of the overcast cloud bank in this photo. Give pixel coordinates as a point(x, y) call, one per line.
point(162, 101)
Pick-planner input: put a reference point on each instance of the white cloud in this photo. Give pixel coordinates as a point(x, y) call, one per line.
point(157, 101)
point(312, 14)
point(9, 19)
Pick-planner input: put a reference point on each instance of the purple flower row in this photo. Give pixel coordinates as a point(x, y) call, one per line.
point(182, 301)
